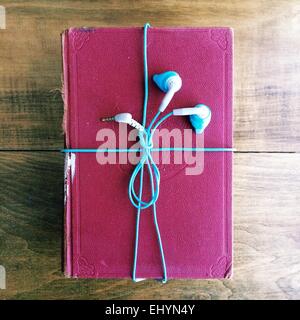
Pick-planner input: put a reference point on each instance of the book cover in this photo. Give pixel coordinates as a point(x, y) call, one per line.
point(103, 76)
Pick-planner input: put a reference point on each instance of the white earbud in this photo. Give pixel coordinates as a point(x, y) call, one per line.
point(203, 111)
point(169, 82)
point(174, 84)
point(125, 118)
point(199, 116)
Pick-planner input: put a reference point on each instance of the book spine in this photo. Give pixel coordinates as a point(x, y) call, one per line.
point(68, 170)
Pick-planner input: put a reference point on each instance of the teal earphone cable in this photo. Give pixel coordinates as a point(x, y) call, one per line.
point(146, 143)
point(134, 150)
point(146, 86)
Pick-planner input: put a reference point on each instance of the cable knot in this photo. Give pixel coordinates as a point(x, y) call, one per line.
point(146, 143)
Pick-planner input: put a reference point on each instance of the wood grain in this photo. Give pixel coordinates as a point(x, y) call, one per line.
point(267, 64)
point(266, 241)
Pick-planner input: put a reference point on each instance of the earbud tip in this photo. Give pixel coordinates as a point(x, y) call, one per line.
point(161, 79)
point(198, 123)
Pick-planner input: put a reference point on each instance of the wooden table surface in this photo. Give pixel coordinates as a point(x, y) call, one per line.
point(266, 132)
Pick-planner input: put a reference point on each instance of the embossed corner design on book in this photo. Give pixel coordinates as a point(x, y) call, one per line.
point(221, 269)
point(220, 37)
point(80, 37)
point(84, 267)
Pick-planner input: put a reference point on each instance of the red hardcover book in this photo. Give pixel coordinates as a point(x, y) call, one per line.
point(103, 76)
